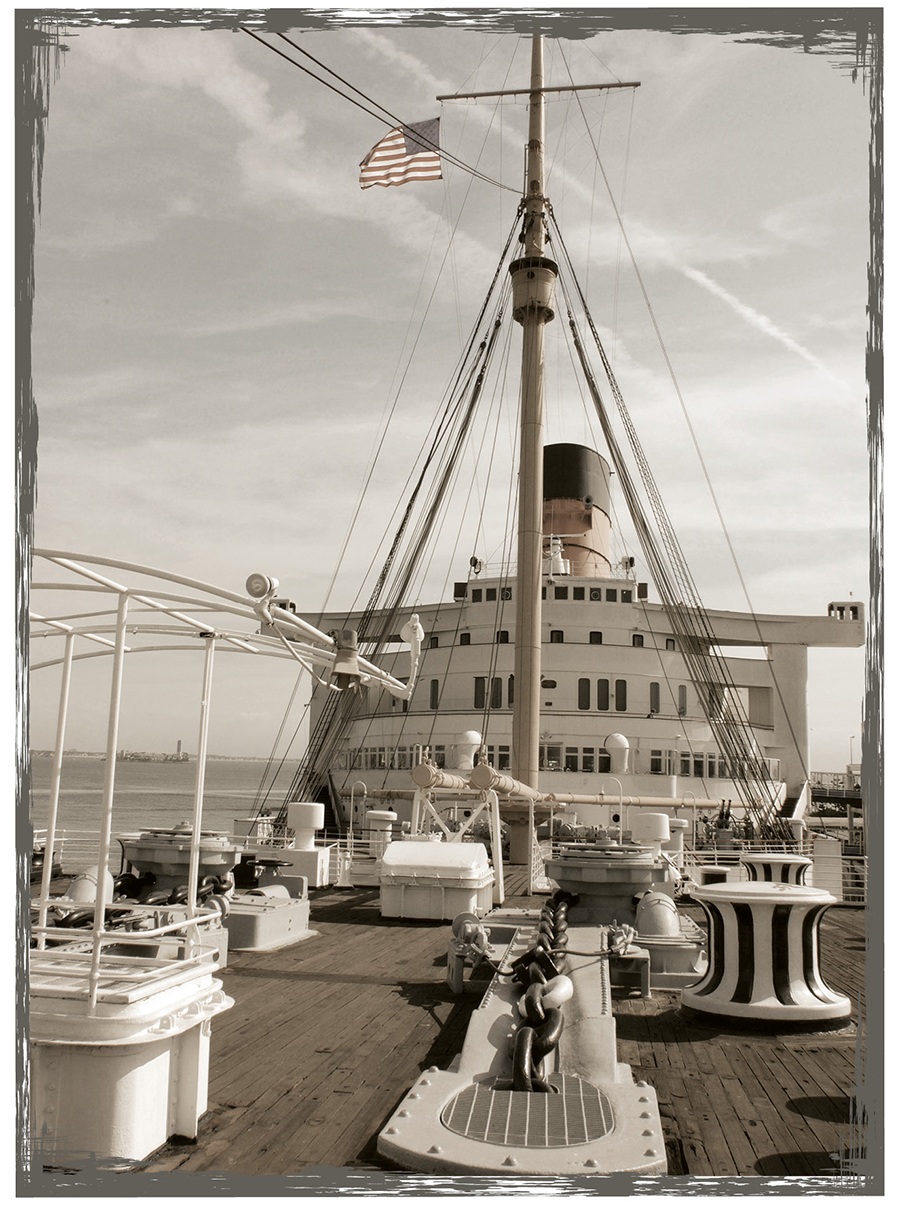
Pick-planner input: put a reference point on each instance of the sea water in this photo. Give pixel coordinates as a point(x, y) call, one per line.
point(157, 794)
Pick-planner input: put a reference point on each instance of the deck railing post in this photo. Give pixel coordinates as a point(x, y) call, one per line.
point(200, 780)
point(56, 777)
point(109, 779)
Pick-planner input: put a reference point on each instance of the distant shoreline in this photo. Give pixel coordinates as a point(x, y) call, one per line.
point(150, 757)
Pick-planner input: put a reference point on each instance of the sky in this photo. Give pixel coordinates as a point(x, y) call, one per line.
point(224, 320)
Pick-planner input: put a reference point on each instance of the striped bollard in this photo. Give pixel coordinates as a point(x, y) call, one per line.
point(776, 867)
point(763, 951)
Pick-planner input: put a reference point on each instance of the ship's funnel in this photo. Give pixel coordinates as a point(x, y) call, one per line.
point(576, 509)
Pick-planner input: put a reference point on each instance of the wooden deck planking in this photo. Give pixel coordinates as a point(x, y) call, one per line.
point(328, 1034)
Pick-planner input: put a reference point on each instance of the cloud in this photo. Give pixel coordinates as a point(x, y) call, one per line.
point(759, 321)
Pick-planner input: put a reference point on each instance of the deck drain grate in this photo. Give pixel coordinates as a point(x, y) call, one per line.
point(577, 1113)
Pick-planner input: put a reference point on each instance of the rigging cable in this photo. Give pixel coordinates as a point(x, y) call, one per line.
point(690, 427)
point(390, 121)
point(723, 710)
point(339, 711)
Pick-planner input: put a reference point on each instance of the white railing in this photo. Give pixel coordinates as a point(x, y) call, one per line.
point(75, 850)
point(855, 880)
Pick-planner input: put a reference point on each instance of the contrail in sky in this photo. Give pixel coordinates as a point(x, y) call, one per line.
point(762, 322)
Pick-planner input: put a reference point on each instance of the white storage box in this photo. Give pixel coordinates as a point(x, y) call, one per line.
point(267, 919)
point(114, 1085)
point(424, 881)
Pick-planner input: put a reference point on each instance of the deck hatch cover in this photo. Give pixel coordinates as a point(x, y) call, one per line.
point(579, 1113)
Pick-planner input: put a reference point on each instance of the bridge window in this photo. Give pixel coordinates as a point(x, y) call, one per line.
point(584, 693)
point(571, 765)
point(465, 639)
point(433, 641)
point(626, 596)
point(510, 691)
point(596, 638)
point(637, 640)
point(621, 695)
point(611, 594)
point(560, 594)
point(480, 691)
point(682, 699)
point(556, 636)
point(603, 695)
point(654, 697)
point(577, 594)
point(587, 760)
point(434, 695)
point(476, 595)
point(502, 636)
point(670, 644)
point(496, 692)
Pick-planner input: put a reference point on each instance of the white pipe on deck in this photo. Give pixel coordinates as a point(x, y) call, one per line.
point(194, 867)
point(53, 806)
point(109, 777)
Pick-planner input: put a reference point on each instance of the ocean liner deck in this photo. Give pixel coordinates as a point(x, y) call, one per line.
point(327, 1036)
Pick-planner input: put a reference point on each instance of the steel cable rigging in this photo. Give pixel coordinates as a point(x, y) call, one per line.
point(687, 616)
point(379, 619)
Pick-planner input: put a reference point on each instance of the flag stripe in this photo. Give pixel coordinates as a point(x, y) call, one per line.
point(390, 163)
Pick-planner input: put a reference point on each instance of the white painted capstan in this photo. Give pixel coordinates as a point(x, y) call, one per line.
point(764, 955)
point(166, 854)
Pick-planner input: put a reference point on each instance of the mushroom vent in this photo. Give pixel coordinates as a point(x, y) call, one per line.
point(657, 916)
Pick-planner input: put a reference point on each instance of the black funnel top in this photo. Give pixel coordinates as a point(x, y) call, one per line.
point(574, 472)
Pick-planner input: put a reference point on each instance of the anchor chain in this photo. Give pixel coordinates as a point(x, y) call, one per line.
point(546, 990)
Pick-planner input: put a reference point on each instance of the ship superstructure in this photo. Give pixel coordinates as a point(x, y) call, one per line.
point(619, 711)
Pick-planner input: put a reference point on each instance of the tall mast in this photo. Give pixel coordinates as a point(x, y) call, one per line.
point(533, 280)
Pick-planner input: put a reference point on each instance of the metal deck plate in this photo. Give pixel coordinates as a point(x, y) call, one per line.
point(577, 1113)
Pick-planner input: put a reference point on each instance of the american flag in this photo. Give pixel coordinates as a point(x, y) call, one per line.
point(408, 153)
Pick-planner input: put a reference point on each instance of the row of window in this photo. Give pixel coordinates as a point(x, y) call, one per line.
point(602, 694)
point(552, 758)
point(561, 592)
point(620, 695)
point(490, 594)
point(609, 694)
point(595, 638)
